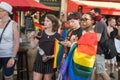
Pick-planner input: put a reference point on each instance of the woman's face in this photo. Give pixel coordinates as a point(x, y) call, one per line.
point(2, 13)
point(48, 23)
point(74, 23)
point(86, 21)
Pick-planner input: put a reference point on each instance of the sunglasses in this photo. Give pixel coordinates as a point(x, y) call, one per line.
point(84, 19)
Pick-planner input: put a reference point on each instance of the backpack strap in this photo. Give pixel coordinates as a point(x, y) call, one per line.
point(4, 30)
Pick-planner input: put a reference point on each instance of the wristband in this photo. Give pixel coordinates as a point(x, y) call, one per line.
point(15, 58)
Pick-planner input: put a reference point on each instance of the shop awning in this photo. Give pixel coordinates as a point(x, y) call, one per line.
point(108, 8)
point(26, 5)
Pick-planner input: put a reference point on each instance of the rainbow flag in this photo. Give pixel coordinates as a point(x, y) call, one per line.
point(58, 54)
point(64, 33)
point(80, 60)
point(39, 26)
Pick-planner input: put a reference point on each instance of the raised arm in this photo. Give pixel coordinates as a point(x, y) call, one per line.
point(33, 40)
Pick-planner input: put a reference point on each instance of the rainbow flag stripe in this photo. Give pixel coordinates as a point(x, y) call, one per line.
point(58, 54)
point(80, 60)
point(64, 33)
point(39, 26)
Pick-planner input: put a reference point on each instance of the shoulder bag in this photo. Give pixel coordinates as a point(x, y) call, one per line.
point(109, 49)
point(4, 30)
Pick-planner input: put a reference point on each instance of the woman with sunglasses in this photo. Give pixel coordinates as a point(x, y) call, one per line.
point(81, 53)
point(87, 22)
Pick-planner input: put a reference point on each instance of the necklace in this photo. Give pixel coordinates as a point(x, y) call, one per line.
point(48, 36)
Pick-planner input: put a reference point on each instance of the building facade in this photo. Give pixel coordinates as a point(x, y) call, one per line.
point(59, 7)
point(106, 0)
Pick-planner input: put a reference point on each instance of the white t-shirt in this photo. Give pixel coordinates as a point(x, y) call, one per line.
point(7, 44)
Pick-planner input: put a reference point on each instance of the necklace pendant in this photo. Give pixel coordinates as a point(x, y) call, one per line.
point(48, 36)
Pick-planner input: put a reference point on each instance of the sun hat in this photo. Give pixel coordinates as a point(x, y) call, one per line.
point(5, 6)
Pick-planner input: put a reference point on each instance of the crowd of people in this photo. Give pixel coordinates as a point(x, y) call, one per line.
point(76, 26)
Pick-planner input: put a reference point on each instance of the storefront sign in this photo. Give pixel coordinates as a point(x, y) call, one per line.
point(55, 3)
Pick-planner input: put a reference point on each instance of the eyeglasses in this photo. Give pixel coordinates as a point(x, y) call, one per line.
point(84, 19)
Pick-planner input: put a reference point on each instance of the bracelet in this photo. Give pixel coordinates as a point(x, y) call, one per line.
point(15, 58)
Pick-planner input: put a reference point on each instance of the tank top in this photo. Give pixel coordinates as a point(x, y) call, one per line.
point(7, 44)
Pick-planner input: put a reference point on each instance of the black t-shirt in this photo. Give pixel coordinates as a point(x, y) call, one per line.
point(101, 28)
point(77, 32)
point(114, 33)
point(46, 42)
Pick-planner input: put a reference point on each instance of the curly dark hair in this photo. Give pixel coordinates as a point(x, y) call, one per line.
point(74, 15)
point(91, 15)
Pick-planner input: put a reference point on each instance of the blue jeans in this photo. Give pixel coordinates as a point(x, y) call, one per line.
point(7, 72)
